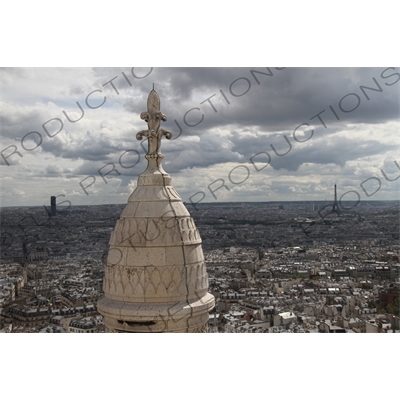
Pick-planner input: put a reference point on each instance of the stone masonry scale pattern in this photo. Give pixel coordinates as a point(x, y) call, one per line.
point(155, 275)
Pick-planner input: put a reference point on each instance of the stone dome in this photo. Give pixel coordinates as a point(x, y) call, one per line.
point(155, 275)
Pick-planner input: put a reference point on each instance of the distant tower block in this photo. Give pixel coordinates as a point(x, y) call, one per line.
point(155, 276)
point(335, 208)
point(53, 206)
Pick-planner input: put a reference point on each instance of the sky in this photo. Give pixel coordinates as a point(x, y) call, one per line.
point(349, 151)
point(239, 134)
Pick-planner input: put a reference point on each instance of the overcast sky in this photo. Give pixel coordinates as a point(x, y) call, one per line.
point(240, 131)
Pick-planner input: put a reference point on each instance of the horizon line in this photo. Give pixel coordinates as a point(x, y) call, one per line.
point(218, 202)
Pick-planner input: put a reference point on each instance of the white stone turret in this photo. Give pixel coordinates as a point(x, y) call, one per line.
point(155, 275)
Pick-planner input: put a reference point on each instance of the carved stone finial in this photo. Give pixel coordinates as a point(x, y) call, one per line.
point(153, 116)
point(154, 174)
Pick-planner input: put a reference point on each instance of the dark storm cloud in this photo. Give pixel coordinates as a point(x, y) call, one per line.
point(92, 146)
point(17, 120)
point(209, 150)
point(337, 152)
point(288, 97)
point(328, 98)
point(323, 147)
point(217, 116)
point(277, 102)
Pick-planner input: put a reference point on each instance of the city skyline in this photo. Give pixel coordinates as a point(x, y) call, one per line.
point(242, 131)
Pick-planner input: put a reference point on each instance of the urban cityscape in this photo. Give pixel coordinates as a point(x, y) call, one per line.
point(259, 252)
point(274, 267)
point(283, 216)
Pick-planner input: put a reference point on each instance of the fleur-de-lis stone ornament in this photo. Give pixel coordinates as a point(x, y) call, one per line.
point(153, 116)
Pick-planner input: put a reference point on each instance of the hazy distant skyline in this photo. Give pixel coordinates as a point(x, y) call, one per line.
point(237, 115)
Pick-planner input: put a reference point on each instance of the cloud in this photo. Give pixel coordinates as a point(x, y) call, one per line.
point(53, 170)
point(220, 117)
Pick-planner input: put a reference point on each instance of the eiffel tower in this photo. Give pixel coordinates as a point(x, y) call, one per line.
point(335, 208)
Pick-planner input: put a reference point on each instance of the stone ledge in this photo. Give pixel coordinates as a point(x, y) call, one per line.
point(183, 316)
